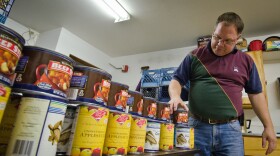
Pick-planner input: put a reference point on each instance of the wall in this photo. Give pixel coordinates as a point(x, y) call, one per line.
point(28, 34)
point(68, 43)
point(155, 60)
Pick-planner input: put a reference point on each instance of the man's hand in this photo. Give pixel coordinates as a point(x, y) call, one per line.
point(269, 135)
point(174, 104)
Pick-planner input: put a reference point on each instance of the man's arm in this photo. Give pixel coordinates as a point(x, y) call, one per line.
point(259, 104)
point(174, 90)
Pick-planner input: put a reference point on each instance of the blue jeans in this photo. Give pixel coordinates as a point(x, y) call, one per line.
point(217, 139)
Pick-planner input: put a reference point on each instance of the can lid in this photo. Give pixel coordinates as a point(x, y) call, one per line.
point(149, 98)
point(162, 103)
point(134, 92)
point(14, 33)
point(50, 52)
point(103, 72)
point(120, 84)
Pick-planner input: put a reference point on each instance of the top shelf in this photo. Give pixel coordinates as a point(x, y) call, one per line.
point(271, 56)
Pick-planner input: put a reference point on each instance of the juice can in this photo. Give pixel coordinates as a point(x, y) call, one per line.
point(166, 142)
point(88, 131)
point(117, 135)
point(137, 135)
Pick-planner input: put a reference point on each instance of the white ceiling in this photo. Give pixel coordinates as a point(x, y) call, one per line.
point(155, 24)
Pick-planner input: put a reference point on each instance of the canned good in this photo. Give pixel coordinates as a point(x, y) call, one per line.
point(44, 70)
point(184, 137)
point(150, 108)
point(137, 104)
point(88, 131)
point(166, 142)
point(152, 136)
point(11, 44)
point(117, 135)
point(38, 125)
point(5, 92)
point(90, 85)
point(180, 116)
point(163, 111)
point(8, 121)
point(137, 135)
point(63, 143)
point(118, 96)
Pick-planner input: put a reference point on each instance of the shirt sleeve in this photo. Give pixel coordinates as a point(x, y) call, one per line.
point(254, 85)
point(182, 74)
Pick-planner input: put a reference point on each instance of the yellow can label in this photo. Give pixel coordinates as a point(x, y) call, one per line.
point(137, 135)
point(191, 137)
point(117, 135)
point(166, 141)
point(7, 124)
point(4, 97)
point(89, 131)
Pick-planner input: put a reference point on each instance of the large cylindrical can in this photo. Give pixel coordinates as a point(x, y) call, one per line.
point(149, 108)
point(117, 135)
point(5, 91)
point(11, 44)
point(63, 143)
point(38, 125)
point(166, 142)
point(137, 105)
point(90, 85)
point(44, 70)
point(180, 116)
point(137, 135)
point(88, 131)
point(8, 121)
point(118, 96)
point(152, 136)
point(184, 137)
point(163, 111)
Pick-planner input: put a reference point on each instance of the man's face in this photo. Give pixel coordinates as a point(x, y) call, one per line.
point(224, 38)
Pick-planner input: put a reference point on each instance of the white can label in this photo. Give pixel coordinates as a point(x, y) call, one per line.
point(28, 126)
point(152, 137)
point(184, 137)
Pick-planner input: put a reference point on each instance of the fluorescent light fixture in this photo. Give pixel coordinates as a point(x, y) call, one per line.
point(119, 12)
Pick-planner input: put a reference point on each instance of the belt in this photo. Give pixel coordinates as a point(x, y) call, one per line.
point(212, 121)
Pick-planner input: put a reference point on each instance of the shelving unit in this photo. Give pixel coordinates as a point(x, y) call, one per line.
point(270, 56)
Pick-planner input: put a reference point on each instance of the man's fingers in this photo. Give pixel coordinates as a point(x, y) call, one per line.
point(263, 142)
point(171, 108)
point(185, 107)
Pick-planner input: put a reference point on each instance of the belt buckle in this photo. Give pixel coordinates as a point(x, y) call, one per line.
point(212, 122)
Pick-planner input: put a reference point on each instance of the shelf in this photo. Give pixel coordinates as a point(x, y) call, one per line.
point(271, 56)
point(174, 152)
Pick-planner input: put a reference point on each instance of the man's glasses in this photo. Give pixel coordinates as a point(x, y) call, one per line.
point(224, 41)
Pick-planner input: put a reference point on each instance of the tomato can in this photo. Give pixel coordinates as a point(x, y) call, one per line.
point(163, 111)
point(11, 44)
point(44, 70)
point(67, 125)
point(152, 136)
point(38, 125)
point(118, 96)
point(137, 103)
point(8, 121)
point(90, 84)
point(184, 137)
point(166, 142)
point(89, 129)
point(137, 135)
point(117, 135)
point(150, 108)
point(5, 92)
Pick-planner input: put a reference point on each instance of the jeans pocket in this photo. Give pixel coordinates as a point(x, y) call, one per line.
point(192, 122)
point(235, 125)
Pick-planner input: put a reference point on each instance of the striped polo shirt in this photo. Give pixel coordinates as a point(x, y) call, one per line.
point(216, 82)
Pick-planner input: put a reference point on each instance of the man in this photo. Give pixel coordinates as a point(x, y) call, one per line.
point(217, 73)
